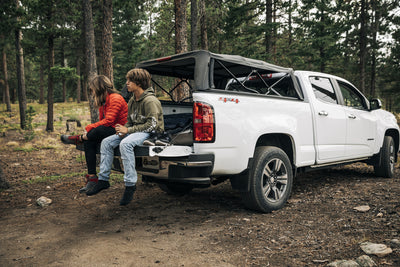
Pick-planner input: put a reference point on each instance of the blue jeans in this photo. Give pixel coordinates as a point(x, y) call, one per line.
point(126, 147)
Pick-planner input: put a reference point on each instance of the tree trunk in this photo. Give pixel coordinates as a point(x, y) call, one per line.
point(50, 87)
point(6, 86)
point(181, 46)
point(41, 83)
point(203, 24)
point(85, 96)
point(322, 52)
point(363, 44)
point(275, 31)
point(91, 68)
point(64, 87)
point(268, 29)
point(20, 75)
point(374, 46)
point(194, 21)
point(290, 26)
point(180, 26)
point(346, 46)
point(64, 90)
point(78, 83)
point(107, 64)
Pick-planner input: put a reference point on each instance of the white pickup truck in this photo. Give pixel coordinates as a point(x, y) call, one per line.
point(259, 125)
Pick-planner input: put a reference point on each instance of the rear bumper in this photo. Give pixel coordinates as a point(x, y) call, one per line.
point(173, 164)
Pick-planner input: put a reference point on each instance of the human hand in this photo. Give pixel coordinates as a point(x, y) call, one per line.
point(121, 130)
point(84, 136)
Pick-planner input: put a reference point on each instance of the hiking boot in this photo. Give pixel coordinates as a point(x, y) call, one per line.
point(98, 187)
point(71, 139)
point(91, 181)
point(128, 195)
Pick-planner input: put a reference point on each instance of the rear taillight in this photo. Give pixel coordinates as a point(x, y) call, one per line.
point(203, 123)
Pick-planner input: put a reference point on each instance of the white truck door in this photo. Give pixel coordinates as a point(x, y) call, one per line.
point(361, 123)
point(330, 121)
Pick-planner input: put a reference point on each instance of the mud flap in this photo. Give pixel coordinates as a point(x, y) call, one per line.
point(240, 182)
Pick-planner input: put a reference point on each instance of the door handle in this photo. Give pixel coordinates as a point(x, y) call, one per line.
point(323, 113)
point(352, 116)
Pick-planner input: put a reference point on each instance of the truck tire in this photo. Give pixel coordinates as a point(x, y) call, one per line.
point(176, 189)
point(271, 180)
point(385, 168)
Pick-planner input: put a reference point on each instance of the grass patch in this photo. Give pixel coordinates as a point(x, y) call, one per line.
point(26, 149)
point(80, 158)
point(116, 177)
point(62, 112)
point(52, 178)
point(8, 122)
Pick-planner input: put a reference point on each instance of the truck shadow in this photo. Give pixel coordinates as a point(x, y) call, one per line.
point(156, 210)
point(339, 175)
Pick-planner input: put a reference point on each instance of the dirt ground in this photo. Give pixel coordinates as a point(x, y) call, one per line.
point(208, 227)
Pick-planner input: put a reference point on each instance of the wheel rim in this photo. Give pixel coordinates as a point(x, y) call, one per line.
point(274, 180)
point(391, 157)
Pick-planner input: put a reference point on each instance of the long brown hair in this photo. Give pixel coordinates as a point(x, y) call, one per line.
point(100, 87)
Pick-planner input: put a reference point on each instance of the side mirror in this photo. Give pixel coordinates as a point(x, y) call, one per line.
point(375, 104)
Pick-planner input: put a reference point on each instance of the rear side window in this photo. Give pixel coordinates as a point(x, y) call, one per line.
point(235, 77)
point(323, 89)
point(279, 84)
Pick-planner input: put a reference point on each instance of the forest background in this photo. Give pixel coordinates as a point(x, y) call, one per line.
point(51, 48)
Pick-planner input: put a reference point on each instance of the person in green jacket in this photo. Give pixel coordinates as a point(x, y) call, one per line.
point(144, 117)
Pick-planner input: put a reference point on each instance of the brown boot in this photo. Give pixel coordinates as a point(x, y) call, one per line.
point(71, 139)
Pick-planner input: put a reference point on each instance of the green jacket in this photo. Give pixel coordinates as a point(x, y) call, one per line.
point(145, 114)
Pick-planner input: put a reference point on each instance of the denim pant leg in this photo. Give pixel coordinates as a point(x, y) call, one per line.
point(126, 148)
point(107, 155)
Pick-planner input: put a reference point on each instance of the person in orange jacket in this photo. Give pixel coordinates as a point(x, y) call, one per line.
point(145, 117)
point(113, 110)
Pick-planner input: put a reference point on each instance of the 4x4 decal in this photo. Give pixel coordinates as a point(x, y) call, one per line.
point(228, 99)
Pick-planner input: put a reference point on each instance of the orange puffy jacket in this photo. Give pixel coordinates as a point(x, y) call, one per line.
point(114, 111)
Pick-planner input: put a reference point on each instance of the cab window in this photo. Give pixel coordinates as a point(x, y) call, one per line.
point(351, 98)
